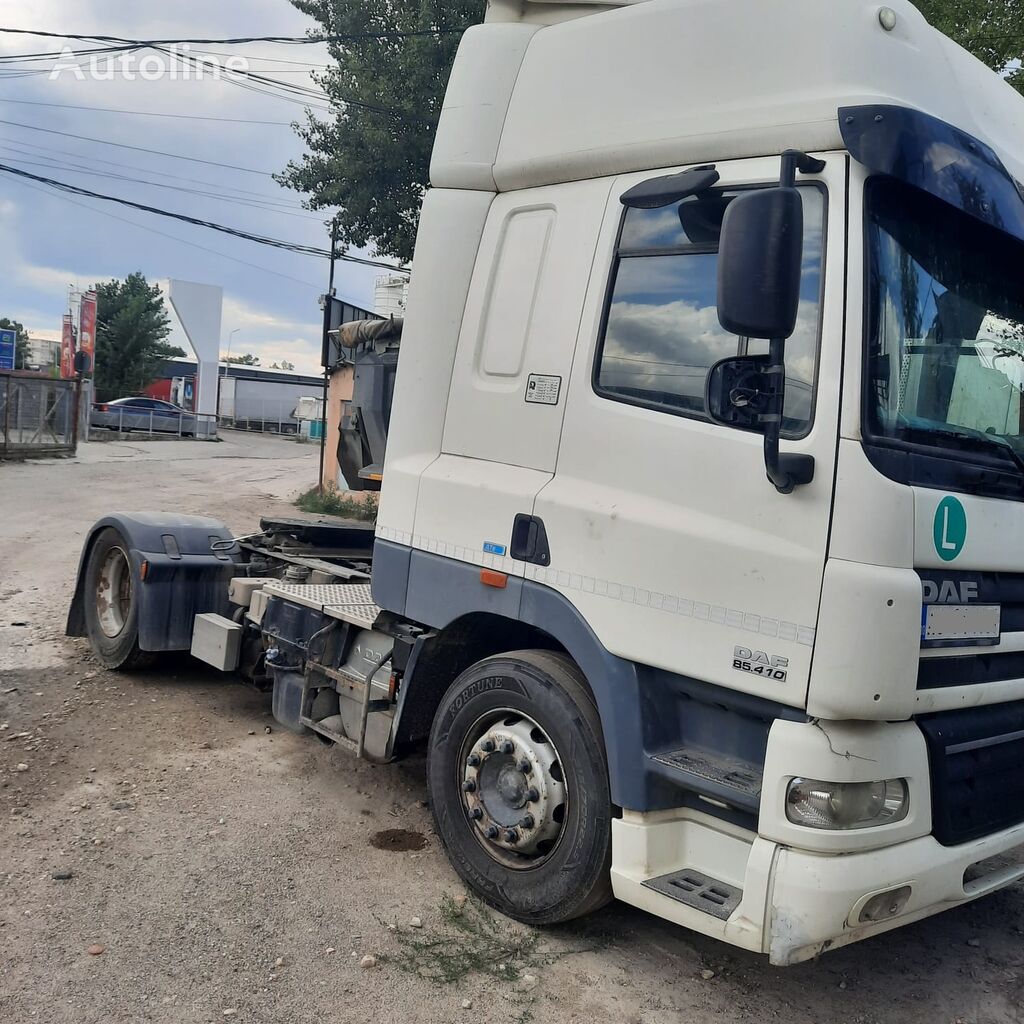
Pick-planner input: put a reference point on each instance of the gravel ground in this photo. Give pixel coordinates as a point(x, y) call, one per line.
point(167, 854)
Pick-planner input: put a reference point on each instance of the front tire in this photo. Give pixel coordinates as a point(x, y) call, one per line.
point(519, 787)
point(111, 602)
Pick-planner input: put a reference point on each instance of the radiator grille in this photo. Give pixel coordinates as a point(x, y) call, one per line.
point(976, 759)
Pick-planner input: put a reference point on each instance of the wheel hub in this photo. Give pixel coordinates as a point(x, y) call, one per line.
point(114, 592)
point(513, 787)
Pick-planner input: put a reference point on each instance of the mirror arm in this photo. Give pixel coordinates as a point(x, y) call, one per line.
point(784, 471)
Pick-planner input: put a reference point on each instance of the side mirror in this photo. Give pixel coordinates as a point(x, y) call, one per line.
point(759, 262)
point(738, 391)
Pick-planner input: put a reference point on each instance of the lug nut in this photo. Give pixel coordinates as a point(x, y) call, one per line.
point(474, 761)
point(511, 836)
point(491, 832)
point(476, 814)
point(525, 767)
point(469, 786)
point(532, 794)
point(507, 747)
point(527, 821)
point(488, 745)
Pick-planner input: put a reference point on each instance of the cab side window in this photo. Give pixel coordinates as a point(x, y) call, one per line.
point(661, 332)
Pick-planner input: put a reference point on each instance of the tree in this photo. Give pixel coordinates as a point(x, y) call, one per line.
point(993, 30)
point(371, 160)
point(246, 359)
point(131, 336)
point(21, 343)
point(283, 365)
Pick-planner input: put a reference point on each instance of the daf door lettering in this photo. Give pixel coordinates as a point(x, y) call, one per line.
point(760, 663)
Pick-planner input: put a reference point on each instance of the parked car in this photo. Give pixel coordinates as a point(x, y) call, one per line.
point(145, 414)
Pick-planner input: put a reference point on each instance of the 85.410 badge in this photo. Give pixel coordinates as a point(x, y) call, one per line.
point(760, 663)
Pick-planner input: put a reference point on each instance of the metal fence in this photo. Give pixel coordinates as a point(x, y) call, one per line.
point(123, 420)
point(37, 415)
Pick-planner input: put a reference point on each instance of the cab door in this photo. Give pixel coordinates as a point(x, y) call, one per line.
point(510, 378)
point(664, 531)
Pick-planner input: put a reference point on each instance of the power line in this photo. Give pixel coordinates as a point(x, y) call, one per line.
point(173, 238)
point(143, 113)
point(301, 249)
point(267, 207)
point(137, 149)
point(287, 40)
point(121, 165)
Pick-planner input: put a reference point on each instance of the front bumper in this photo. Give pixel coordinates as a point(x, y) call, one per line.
point(815, 900)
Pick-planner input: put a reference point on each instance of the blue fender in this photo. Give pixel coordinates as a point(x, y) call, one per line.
point(184, 576)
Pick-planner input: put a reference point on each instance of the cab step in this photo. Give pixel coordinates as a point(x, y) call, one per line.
point(718, 776)
point(333, 735)
point(700, 891)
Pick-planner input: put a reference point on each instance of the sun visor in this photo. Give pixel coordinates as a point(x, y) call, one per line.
point(932, 155)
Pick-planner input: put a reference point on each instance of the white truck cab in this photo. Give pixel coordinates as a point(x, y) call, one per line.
point(823, 716)
point(699, 565)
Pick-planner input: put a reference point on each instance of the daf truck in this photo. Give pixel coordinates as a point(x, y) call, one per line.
point(699, 564)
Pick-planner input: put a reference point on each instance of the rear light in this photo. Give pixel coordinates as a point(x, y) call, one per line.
point(102, 408)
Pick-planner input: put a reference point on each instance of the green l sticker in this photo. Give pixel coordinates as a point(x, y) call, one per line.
point(949, 529)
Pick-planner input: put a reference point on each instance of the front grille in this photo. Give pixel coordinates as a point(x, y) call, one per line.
point(975, 757)
point(949, 586)
point(969, 669)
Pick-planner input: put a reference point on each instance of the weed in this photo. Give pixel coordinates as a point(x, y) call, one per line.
point(332, 502)
point(473, 941)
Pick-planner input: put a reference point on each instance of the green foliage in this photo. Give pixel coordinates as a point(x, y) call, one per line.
point(283, 365)
point(131, 337)
point(993, 30)
point(21, 350)
point(471, 941)
point(372, 158)
point(246, 359)
point(330, 502)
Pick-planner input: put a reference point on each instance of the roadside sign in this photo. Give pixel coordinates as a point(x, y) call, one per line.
point(8, 346)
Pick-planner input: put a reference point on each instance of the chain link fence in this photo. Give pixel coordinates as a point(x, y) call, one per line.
point(37, 415)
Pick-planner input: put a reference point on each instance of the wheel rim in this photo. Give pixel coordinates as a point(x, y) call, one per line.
point(114, 592)
point(513, 788)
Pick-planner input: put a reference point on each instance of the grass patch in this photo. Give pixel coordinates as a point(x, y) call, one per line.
point(332, 502)
point(472, 940)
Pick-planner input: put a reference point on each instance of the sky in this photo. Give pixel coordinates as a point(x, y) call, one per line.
point(51, 242)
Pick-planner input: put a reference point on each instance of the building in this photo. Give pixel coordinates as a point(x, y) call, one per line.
point(248, 397)
point(43, 354)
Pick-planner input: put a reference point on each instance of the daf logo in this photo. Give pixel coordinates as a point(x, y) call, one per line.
point(949, 591)
point(760, 663)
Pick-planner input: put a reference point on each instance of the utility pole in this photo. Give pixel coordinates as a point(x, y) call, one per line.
point(326, 348)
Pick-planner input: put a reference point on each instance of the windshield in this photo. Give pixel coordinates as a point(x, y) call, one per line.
point(946, 329)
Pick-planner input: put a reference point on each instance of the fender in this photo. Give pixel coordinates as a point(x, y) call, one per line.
point(185, 578)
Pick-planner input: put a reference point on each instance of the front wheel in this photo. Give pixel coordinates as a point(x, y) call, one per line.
point(519, 787)
point(112, 604)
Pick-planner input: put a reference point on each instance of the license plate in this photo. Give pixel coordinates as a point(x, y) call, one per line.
point(960, 623)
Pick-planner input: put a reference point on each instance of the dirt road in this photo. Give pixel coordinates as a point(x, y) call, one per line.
point(220, 869)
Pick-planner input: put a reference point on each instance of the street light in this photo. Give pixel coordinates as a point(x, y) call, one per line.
point(227, 359)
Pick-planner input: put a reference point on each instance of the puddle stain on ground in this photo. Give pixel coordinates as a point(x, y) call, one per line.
point(398, 840)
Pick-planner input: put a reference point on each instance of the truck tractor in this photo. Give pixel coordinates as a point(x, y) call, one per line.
point(699, 564)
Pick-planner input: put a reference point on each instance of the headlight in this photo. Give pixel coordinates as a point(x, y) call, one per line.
point(843, 805)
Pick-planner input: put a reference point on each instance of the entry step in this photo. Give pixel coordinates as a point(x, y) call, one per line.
point(695, 889)
point(350, 602)
point(726, 778)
